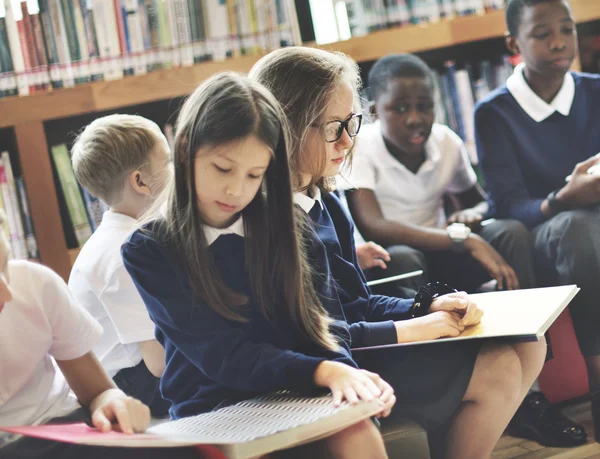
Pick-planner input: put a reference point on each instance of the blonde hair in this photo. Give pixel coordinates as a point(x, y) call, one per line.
point(303, 80)
point(108, 149)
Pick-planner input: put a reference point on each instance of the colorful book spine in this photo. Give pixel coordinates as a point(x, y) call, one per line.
point(62, 43)
point(95, 209)
point(70, 189)
point(8, 79)
point(14, 203)
point(30, 240)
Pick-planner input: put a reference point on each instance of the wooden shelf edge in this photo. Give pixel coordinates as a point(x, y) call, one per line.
point(164, 84)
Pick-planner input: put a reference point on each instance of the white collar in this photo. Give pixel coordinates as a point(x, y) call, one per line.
point(537, 108)
point(212, 233)
point(305, 201)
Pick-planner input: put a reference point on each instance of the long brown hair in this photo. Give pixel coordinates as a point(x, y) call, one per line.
point(303, 81)
point(225, 108)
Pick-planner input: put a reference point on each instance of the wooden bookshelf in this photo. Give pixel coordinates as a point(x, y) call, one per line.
point(28, 114)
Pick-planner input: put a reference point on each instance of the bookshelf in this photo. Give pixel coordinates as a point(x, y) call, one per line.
point(27, 115)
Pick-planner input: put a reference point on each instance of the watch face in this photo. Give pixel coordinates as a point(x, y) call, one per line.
point(459, 231)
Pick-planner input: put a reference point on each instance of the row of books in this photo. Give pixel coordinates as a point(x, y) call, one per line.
point(459, 89)
point(46, 44)
point(15, 204)
point(366, 16)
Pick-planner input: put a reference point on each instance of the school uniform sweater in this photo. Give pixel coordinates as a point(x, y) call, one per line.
point(212, 361)
point(525, 157)
point(371, 317)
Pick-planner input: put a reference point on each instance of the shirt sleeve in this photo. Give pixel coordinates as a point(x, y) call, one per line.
point(75, 332)
point(464, 175)
point(219, 348)
point(126, 309)
point(362, 174)
point(502, 173)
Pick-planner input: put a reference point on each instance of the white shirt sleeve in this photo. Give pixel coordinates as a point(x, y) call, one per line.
point(464, 175)
point(74, 331)
point(126, 309)
point(363, 173)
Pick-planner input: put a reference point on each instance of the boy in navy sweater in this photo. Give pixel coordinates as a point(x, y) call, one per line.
point(534, 132)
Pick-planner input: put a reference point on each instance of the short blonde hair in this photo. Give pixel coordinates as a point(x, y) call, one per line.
point(303, 80)
point(108, 149)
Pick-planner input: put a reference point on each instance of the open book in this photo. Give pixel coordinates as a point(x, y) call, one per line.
point(522, 315)
point(248, 429)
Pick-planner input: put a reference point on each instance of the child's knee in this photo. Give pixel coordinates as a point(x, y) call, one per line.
point(498, 372)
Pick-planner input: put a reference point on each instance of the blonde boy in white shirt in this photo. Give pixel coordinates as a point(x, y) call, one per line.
point(124, 161)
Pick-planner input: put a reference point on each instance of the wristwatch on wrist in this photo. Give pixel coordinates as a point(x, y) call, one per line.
point(555, 206)
point(459, 233)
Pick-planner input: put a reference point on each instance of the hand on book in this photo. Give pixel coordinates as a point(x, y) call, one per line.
point(458, 303)
point(114, 407)
point(439, 324)
point(351, 384)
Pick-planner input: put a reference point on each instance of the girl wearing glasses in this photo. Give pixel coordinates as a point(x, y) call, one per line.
point(464, 393)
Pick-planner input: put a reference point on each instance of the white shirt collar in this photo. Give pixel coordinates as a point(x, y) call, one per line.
point(537, 108)
point(212, 234)
point(306, 202)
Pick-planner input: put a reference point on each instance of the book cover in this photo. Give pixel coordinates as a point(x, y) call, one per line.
point(62, 44)
point(30, 240)
point(50, 45)
point(249, 429)
point(13, 203)
point(11, 217)
point(70, 189)
point(516, 315)
point(95, 208)
point(14, 43)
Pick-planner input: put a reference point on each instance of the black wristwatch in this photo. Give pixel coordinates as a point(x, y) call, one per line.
point(425, 296)
point(556, 206)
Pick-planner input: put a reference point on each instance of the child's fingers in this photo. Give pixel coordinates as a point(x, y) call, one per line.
point(380, 263)
point(140, 415)
point(122, 416)
point(337, 397)
point(350, 395)
point(100, 421)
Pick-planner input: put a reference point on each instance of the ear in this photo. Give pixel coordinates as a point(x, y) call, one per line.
point(136, 181)
point(511, 43)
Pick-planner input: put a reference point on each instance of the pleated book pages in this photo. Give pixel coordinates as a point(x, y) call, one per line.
point(248, 429)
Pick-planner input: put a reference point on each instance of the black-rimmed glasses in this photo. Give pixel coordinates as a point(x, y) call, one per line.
point(333, 130)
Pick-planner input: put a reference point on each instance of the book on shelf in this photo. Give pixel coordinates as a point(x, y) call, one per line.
point(13, 201)
point(245, 430)
point(516, 315)
point(47, 44)
point(73, 199)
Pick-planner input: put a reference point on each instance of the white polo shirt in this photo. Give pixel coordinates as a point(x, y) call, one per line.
point(100, 282)
point(406, 197)
point(41, 323)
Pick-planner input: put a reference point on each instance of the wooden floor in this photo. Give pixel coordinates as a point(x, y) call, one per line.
point(511, 447)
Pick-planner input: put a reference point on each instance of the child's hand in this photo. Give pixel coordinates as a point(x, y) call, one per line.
point(458, 303)
point(492, 261)
point(370, 255)
point(582, 188)
point(439, 324)
point(470, 217)
point(113, 406)
point(347, 383)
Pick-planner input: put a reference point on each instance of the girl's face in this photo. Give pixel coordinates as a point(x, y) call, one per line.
point(5, 292)
point(339, 109)
point(228, 176)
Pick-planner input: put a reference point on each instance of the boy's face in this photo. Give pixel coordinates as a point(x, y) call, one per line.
point(406, 112)
point(547, 38)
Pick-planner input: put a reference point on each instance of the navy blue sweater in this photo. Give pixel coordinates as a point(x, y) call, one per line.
point(523, 160)
point(371, 316)
point(211, 360)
